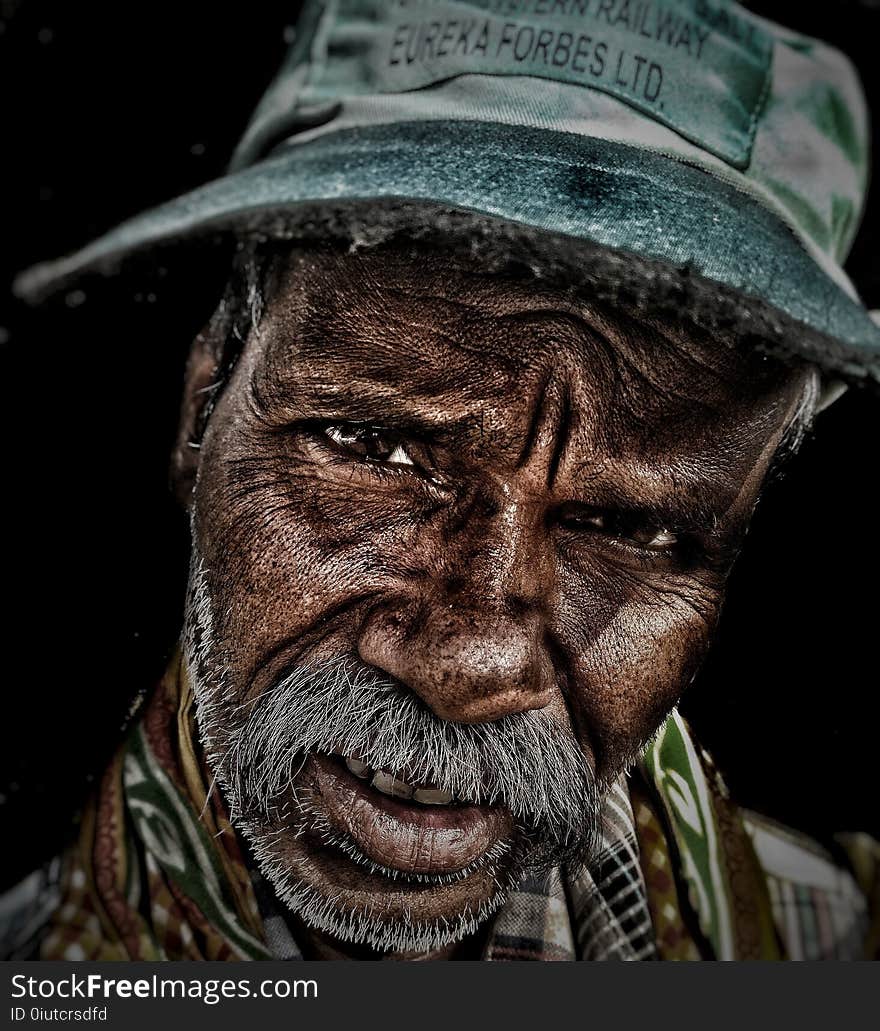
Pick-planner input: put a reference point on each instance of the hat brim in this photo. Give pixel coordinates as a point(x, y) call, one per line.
point(578, 188)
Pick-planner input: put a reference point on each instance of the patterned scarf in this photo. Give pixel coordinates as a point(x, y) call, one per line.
point(159, 873)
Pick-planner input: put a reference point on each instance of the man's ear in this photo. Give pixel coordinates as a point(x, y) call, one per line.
point(199, 391)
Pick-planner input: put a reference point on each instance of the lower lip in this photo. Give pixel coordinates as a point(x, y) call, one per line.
point(402, 835)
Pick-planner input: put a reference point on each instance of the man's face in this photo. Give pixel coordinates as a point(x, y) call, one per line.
point(471, 537)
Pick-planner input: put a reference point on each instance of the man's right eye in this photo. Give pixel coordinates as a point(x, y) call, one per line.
point(369, 443)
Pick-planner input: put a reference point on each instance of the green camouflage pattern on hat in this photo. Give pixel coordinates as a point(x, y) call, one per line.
point(779, 115)
point(692, 133)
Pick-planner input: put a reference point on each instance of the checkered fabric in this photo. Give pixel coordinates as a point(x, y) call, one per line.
point(673, 940)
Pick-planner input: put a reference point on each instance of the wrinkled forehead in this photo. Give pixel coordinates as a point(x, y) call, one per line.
point(422, 334)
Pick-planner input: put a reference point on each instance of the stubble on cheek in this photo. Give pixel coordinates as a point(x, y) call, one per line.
point(280, 552)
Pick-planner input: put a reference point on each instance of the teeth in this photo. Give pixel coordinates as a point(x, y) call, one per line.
point(432, 796)
point(358, 768)
point(383, 781)
point(389, 785)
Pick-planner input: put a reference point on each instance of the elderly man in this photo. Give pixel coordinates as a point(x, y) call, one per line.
point(529, 300)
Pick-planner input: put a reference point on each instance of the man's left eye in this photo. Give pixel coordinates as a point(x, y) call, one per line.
point(652, 538)
point(370, 443)
point(643, 534)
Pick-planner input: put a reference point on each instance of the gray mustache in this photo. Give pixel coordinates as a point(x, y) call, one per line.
point(524, 761)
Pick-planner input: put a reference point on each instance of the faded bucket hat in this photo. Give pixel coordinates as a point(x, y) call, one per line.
point(696, 152)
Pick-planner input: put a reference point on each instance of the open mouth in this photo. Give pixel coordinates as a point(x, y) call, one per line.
point(405, 828)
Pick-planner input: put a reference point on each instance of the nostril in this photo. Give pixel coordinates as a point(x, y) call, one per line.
point(489, 708)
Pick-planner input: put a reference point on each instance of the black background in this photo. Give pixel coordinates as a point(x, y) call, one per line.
point(110, 108)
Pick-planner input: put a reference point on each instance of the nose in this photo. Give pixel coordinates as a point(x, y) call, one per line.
point(474, 646)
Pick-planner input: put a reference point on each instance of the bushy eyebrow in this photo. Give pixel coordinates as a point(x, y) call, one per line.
point(678, 515)
point(428, 418)
point(699, 501)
